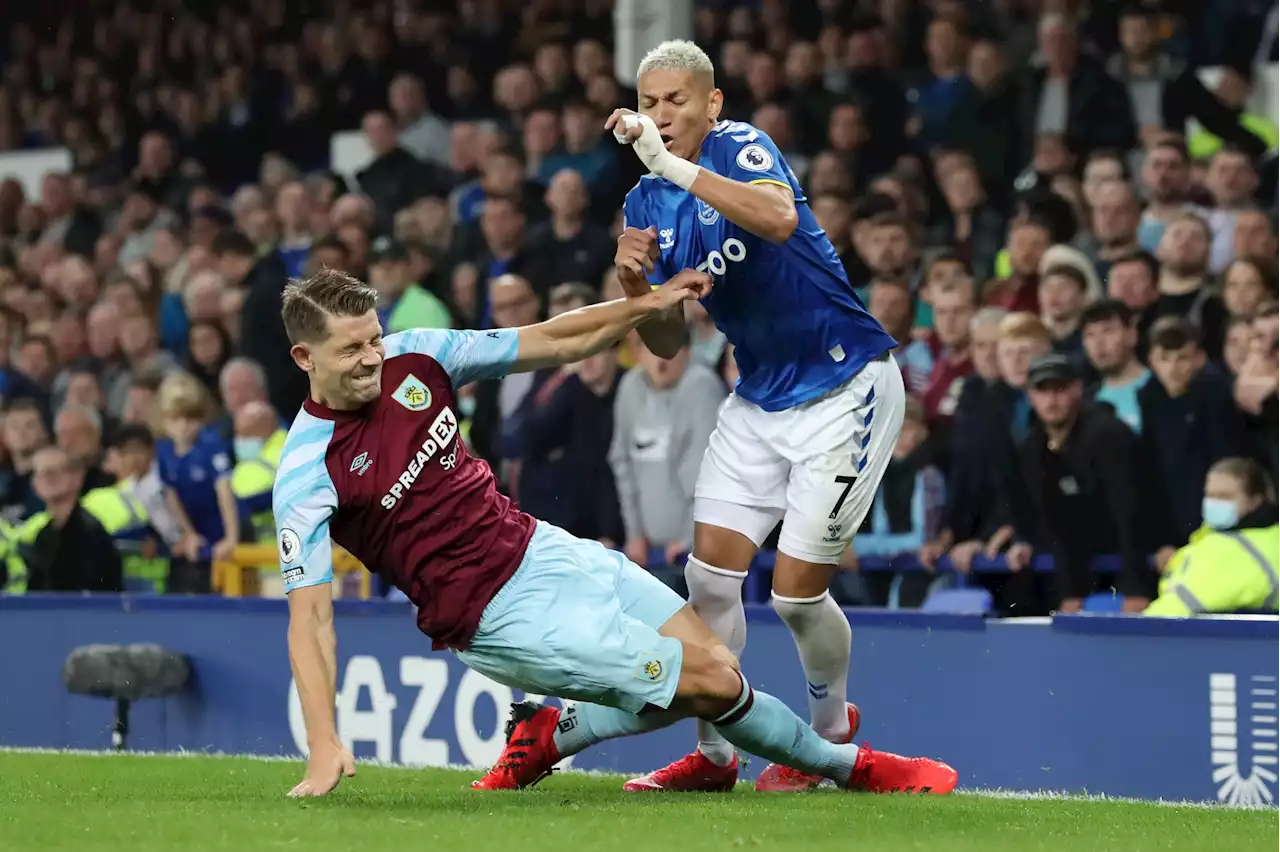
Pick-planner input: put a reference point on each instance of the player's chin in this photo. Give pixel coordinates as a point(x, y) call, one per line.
point(366, 388)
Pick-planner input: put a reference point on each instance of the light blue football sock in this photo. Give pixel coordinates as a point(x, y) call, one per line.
point(764, 726)
point(583, 725)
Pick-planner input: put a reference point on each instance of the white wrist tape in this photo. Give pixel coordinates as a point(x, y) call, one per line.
point(680, 172)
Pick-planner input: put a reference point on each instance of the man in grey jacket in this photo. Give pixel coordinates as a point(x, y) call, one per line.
point(664, 414)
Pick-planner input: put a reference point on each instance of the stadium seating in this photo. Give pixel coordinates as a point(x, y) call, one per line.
point(959, 602)
point(1104, 602)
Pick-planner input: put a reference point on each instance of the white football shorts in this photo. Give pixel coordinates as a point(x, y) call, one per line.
point(815, 467)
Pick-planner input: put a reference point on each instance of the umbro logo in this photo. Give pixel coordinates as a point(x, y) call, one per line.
point(361, 463)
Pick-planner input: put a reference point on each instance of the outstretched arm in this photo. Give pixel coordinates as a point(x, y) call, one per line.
point(469, 356)
point(303, 501)
point(580, 334)
point(313, 655)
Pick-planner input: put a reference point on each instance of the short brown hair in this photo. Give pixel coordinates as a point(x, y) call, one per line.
point(330, 292)
point(1251, 476)
point(1024, 325)
point(1189, 216)
point(889, 219)
point(573, 291)
point(1172, 333)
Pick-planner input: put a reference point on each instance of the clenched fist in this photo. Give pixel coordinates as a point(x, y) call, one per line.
point(637, 252)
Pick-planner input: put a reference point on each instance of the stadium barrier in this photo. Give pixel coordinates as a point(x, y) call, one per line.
point(241, 575)
point(759, 581)
point(1126, 706)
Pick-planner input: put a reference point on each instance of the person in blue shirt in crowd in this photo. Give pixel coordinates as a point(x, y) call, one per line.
point(195, 465)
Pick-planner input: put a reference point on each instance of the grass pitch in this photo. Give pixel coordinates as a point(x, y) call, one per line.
point(131, 803)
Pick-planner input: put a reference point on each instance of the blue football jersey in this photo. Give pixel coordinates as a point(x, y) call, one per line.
point(797, 327)
point(194, 476)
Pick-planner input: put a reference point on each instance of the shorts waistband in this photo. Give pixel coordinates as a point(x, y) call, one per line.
point(515, 580)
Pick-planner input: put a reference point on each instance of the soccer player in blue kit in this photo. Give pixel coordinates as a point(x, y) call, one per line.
point(810, 428)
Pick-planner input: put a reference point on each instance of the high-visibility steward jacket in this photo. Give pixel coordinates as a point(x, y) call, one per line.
point(15, 568)
point(1201, 145)
point(251, 483)
point(125, 519)
point(1228, 571)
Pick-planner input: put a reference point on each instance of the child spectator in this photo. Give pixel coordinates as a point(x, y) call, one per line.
point(195, 466)
point(131, 458)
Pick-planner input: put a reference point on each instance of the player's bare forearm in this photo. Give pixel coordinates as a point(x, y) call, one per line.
point(582, 333)
point(664, 334)
point(313, 655)
point(765, 209)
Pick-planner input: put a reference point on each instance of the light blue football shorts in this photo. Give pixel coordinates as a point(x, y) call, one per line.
point(580, 621)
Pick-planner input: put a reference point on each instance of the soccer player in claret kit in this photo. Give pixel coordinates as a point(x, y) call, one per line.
point(810, 428)
point(374, 462)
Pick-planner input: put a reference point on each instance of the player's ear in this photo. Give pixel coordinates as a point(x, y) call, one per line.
point(715, 103)
point(301, 356)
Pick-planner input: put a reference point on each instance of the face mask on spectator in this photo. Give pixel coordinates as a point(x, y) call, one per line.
point(249, 449)
point(1220, 514)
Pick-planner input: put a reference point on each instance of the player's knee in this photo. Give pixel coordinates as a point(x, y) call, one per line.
point(711, 588)
point(723, 548)
point(709, 680)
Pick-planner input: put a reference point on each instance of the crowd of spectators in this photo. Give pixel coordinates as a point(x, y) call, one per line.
point(1003, 181)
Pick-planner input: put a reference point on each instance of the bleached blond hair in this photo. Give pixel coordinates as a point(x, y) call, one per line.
point(679, 55)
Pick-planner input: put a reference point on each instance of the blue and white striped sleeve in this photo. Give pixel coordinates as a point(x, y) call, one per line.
point(467, 356)
point(304, 499)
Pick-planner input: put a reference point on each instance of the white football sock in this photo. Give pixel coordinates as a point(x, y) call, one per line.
point(824, 640)
point(716, 595)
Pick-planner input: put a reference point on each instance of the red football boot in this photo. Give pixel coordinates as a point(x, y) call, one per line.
point(693, 773)
point(885, 772)
point(777, 778)
point(531, 751)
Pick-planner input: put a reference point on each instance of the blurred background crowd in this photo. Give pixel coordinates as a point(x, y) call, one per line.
point(1072, 236)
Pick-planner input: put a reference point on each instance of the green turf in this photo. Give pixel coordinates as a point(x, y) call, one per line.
point(138, 803)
